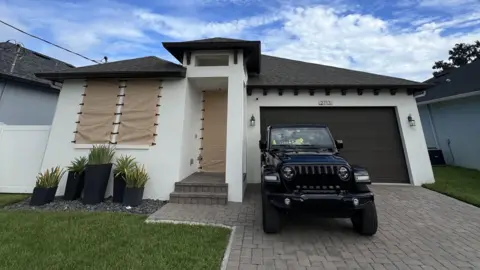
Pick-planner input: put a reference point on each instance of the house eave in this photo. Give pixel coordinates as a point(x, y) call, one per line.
point(107, 75)
point(52, 87)
point(414, 87)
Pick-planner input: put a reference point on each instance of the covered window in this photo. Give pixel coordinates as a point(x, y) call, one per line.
point(119, 112)
point(95, 121)
point(138, 119)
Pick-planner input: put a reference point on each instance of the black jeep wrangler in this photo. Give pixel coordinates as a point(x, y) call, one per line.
point(302, 170)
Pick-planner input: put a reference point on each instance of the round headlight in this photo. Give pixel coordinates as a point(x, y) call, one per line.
point(288, 172)
point(343, 173)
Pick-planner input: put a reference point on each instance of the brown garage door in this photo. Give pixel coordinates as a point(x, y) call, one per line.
point(370, 135)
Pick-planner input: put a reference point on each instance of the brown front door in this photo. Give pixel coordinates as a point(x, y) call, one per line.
point(214, 131)
point(370, 135)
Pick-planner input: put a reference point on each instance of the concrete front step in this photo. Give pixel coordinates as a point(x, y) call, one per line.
point(201, 187)
point(198, 198)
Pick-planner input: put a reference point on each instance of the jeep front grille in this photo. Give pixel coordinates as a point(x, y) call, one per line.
point(316, 169)
point(315, 178)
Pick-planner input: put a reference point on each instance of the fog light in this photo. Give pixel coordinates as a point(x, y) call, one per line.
point(287, 201)
point(355, 201)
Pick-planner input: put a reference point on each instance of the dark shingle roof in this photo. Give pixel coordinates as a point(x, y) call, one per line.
point(458, 81)
point(29, 63)
point(285, 72)
point(137, 67)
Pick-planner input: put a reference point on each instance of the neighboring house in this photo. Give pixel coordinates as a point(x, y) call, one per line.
point(24, 98)
point(450, 114)
point(209, 113)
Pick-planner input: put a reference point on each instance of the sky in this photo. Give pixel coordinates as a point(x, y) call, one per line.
point(397, 38)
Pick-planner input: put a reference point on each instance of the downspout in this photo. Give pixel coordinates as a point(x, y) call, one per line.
point(422, 94)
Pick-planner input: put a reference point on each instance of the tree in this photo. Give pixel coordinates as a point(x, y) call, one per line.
point(460, 55)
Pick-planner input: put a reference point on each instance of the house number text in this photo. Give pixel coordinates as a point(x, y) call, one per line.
point(325, 103)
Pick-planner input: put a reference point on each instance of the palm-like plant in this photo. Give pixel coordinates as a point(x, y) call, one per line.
point(123, 164)
point(50, 178)
point(78, 165)
point(101, 154)
point(136, 177)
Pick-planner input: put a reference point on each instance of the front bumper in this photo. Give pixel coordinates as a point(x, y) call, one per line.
point(342, 203)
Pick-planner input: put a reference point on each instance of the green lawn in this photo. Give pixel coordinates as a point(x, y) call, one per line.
point(7, 198)
point(460, 183)
point(77, 240)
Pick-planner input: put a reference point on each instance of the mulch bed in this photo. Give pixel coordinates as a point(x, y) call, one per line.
point(147, 207)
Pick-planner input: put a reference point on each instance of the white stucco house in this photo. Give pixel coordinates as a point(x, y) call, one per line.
point(205, 116)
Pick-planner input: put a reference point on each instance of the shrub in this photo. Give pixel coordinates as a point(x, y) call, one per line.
point(123, 164)
point(101, 154)
point(136, 177)
point(78, 165)
point(50, 178)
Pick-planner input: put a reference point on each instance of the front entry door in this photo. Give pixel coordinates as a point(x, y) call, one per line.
point(214, 131)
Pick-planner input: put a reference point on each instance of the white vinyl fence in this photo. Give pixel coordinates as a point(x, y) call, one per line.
point(21, 155)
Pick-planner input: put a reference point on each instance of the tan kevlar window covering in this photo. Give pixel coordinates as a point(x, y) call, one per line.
point(214, 131)
point(99, 105)
point(139, 112)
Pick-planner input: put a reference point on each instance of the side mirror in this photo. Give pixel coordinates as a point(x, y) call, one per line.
point(339, 144)
point(262, 145)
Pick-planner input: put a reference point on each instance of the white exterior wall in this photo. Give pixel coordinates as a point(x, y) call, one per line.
point(163, 161)
point(235, 116)
point(192, 124)
point(21, 154)
point(416, 154)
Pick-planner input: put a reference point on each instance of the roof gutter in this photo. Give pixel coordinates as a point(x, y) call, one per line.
point(464, 95)
point(47, 85)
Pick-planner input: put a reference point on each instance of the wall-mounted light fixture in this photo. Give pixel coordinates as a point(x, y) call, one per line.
point(411, 121)
point(252, 121)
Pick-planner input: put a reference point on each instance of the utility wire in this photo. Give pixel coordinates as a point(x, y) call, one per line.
point(65, 49)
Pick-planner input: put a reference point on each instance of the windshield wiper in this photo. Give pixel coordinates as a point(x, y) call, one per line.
point(316, 148)
point(280, 147)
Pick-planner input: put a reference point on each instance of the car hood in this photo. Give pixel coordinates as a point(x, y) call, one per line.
point(309, 157)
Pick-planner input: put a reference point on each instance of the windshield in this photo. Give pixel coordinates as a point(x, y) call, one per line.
point(301, 136)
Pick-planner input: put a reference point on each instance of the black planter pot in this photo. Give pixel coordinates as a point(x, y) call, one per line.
point(133, 196)
point(43, 196)
point(96, 181)
point(74, 187)
point(118, 188)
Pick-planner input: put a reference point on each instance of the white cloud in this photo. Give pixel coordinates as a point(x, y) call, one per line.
point(191, 28)
point(323, 35)
point(447, 3)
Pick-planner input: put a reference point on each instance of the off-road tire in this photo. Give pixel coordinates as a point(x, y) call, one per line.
point(365, 221)
point(270, 217)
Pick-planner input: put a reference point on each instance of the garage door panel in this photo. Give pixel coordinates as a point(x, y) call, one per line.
point(370, 135)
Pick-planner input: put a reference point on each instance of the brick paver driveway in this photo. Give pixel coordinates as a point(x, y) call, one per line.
point(418, 229)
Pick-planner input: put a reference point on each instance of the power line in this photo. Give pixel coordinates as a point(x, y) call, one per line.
point(65, 49)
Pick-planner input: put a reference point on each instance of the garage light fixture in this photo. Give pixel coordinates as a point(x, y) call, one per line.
point(252, 121)
point(411, 121)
